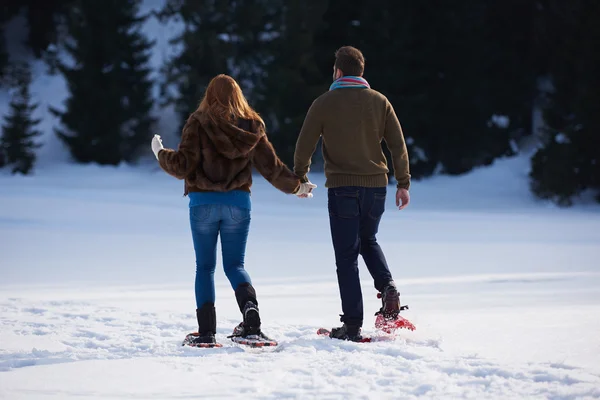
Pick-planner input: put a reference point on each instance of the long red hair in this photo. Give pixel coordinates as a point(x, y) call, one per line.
point(224, 102)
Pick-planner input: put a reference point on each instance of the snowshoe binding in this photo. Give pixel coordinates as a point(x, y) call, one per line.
point(196, 339)
point(248, 331)
point(388, 318)
point(345, 332)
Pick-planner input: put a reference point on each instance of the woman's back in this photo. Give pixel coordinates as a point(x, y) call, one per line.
point(226, 155)
point(219, 157)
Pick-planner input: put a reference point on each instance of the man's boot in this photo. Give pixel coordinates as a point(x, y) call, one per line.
point(390, 299)
point(347, 332)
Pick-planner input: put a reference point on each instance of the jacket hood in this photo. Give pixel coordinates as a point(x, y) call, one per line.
point(232, 141)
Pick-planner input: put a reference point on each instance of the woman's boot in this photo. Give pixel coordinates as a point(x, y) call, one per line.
point(207, 324)
point(246, 299)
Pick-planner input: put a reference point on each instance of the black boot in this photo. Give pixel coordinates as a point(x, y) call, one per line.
point(245, 293)
point(390, 299)
point(347, 332)
point(207, 324)
point(246, 299)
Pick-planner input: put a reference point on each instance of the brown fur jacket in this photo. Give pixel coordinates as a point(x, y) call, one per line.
point(220, 158)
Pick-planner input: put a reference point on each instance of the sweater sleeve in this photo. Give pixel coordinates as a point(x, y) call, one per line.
point(272, 168)
point(306, 144)
point(182, 162)
point(394, 139)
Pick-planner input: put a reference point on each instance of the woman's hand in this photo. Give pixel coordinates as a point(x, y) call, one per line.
point(305, 190)
point(156, 145)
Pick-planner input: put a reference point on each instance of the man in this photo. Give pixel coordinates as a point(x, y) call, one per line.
point(353, 119)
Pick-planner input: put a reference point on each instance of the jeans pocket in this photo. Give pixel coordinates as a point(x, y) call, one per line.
point(344, 204)
point(378, 206)
point(239, 214)
point(200, 213)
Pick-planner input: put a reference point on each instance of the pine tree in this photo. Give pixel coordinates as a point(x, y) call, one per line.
point(294, 79)
point(219, 37)
point(107, 118)
point(3, 52)
point(569, 160)
point(43, 20)
point(455, 73)
point(204, 54)
point(17, 146)
point(3, 58)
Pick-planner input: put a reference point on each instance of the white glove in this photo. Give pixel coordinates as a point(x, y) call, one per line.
point(305, 190)
point(156, 145)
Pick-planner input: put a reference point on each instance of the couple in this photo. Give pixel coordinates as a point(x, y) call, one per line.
point(225, 137)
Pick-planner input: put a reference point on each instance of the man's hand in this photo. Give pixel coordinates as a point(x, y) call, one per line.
point(402, 198)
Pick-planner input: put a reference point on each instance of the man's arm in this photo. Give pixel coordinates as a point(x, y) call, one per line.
point(394, 139)
point(307, 142)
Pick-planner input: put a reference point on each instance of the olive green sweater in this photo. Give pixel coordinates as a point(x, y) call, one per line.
point(353, 122)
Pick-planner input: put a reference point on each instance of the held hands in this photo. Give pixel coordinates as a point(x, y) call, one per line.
point(156, 145)
point(402, 198)
point(305, 190)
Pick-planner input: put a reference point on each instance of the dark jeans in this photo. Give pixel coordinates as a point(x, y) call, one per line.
point(354, 215)
point(233, 224)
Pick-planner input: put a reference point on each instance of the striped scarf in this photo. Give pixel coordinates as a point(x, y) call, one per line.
point(349, 82)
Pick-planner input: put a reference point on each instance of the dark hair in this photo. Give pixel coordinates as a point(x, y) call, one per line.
point(350, 61)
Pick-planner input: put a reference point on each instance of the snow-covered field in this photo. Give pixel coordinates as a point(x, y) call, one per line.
point(96, 293)
point(97, 269)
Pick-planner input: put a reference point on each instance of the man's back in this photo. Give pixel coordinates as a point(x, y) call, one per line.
point(353, 127)
point(353, 122)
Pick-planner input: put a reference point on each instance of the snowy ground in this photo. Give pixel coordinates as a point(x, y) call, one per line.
point(96, 293)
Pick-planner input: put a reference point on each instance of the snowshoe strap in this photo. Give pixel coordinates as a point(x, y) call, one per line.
point(402, 308)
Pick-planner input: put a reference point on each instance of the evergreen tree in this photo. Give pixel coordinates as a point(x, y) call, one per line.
point(43, 20)
point(107, 118)
point(3, 51)
point(569, 160)
point(458, 75)
point(44, 23)
point(17, 146)
point(204, 52)
point(219, 37)
point(3, 57)
point(294, 79)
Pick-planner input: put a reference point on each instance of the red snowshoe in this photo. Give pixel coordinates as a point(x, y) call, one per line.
point(388, 318)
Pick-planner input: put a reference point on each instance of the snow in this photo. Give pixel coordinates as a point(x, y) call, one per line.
point(96, 293)
point(561, 138)
point(501, 121)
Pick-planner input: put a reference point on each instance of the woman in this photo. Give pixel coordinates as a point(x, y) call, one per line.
point(220, 143)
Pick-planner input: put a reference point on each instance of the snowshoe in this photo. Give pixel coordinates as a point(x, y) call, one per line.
point(250, 337)
point(196, 340)
point(390, 325)
point(248, 331)
point(388, 318)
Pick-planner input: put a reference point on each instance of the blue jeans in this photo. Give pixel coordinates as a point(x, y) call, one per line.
point(207, 222)
point(354, 216)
